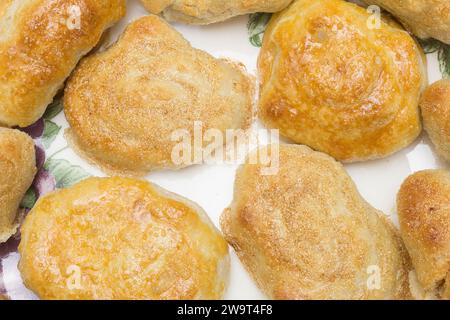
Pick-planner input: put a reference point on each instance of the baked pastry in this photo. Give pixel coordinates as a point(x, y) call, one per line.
point(306, 233)
point(119, 238)
point(424, 212)
point(435, 106)
point(17, 167)
point(425, 18)
point(210, 11)
point(41, 43)
point(124, 105)
point(330, 82)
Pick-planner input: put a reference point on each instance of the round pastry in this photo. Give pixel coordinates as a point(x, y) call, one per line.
point(17, 167)
point(306, 233)
point(41, 42)
point(119, 238)
point(423, 204)
point(425, 18)
point(332, 82)
point(125, 105)
point(435, 106)
point(210, 11)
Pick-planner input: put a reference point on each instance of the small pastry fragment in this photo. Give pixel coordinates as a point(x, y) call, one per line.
point(128, 106)
point(424, 18)
point(120, 238)
point(435, 106)
point(17, 170)
point(210, 11)
point(41, 42)
point(332, 82)
point(306, 232)
point(423, 204)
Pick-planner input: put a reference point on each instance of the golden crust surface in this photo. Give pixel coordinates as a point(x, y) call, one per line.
point(425, 18)
point(120, 238)
point(330, 82)
point(435, 106)
point(306, 233)
point(210, 11)
point(125, 104)
point(423, 204)
point(40, 44)
point(17, 170)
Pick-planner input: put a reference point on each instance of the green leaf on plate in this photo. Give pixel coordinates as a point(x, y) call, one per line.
point(444, 60)
point(430, 45)
point(256, 26)
point(51, 130)
point(65, 174)
point(443, 54)
point(53, 109)
point(29, 199)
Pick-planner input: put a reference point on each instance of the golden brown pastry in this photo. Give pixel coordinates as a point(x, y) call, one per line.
point(306, 233)
point(119, 238)
point(435, 106)
point(424, 212)
point(332, 83)
point(17, 170)
point(124, 105)
point(425, 18)
point(210, 11)
point(41, 41)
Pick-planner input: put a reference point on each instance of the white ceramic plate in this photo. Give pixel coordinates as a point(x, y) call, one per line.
point(210, 186)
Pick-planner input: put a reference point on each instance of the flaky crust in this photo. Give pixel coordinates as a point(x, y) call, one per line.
point(423, 205)
point(435, 107)
point(330, 82)
point(210, 11)
point(126, 239)
point(38, 50)
point(125, 104)
point(306, 233)
point(425, 18)
point(17, 170)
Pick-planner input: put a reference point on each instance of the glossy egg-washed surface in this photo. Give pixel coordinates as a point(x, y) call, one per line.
point(332, 83)
point(425, 18)
point(17, 170)
point(118, 238)
point(40, 44)
point(423, 205)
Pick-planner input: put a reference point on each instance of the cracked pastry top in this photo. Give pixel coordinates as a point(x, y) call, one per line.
point(124, 105)
point(330, 81)
point(210, 11)
point(17, 170)
point(41, 41)
point(425, 18)
point(120, 238)
point(306, 233)
point(423, 205)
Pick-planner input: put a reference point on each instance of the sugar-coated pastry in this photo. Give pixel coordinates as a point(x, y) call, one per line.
point(210, 11)
point(423, 205)
point(425, 18)
point(120, 238)
point(17, 170)
point(331, 81)
point(306, 232)
point(435, 106)
point(41, 41)
point(126, 105)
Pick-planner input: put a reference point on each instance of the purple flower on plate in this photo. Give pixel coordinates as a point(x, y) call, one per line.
point(35, 130)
